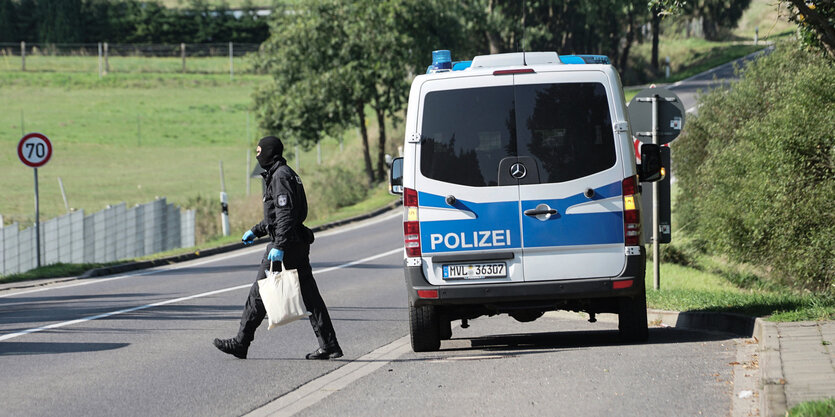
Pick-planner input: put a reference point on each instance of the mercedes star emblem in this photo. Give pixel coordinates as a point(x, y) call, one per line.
point(518, 171)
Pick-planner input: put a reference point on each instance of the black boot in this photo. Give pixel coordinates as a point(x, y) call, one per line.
point(232, 347)
point(319, 354)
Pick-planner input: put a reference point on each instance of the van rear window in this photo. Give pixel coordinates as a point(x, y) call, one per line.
point(466, 133)
point(565, 128)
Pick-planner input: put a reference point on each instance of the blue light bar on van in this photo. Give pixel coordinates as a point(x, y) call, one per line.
point(456, 66)
point(441, 60)
point(584, 59)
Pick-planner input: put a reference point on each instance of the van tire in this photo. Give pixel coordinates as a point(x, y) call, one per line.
point(632, 318)
point(425, 328)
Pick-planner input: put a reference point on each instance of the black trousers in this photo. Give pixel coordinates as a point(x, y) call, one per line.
point(297, 256)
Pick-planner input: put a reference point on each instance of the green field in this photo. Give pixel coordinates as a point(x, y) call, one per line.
point(133, 137)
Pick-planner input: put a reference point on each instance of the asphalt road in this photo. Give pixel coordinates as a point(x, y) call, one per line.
point(140, 344)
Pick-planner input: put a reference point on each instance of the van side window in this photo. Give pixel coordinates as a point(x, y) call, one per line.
point(566, 128)
point(466, 133)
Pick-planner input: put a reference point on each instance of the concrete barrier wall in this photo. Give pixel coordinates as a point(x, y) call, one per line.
point(114, 233)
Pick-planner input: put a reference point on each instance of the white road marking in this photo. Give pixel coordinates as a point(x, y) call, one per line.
point(319, 388)
point(177, 300)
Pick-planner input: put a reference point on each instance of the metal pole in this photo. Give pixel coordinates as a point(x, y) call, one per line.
point(183, 55)
point(63, 194)
point(106, 60)
point(22, 55)
point(231, 64)
point(224, 204)
point(37, 221)
point(656, 263)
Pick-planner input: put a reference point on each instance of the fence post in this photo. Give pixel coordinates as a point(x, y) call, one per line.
point(23, 55)
point(183, 55)
point(231, 64)
point(100, 60)
point(106, 60)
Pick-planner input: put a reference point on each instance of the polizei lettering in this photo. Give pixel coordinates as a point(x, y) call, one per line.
point(477, 239)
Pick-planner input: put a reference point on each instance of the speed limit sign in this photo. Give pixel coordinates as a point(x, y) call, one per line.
point(34, 150)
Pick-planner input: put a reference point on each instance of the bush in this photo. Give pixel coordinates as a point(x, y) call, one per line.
point(756, 169)
point(331, 188)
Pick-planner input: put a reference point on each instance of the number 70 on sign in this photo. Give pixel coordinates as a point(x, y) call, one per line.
point(34, 150)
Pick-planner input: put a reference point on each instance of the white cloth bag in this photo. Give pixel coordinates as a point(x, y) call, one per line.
point(281, 294)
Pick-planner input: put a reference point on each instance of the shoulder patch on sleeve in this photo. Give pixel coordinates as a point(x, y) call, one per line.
point(282, 200)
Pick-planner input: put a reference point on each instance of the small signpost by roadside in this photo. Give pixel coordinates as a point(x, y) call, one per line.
point(35, 150)
point(657, 116)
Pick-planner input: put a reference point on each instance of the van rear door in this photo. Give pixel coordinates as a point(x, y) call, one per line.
point(469, 218)
point(570, 192)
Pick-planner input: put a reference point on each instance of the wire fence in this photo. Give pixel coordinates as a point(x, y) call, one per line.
point(105, 57)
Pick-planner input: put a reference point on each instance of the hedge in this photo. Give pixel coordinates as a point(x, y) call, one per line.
point(756, 169)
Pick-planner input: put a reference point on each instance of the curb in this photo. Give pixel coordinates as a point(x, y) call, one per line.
point(773, 396)
point(133, 266)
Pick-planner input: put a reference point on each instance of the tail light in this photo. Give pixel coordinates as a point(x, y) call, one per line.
point(631, 214)
point(411, 226)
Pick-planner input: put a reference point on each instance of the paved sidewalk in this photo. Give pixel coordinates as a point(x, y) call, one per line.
point(797, 361)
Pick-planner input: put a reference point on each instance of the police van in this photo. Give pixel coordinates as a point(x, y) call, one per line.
point(521, 193)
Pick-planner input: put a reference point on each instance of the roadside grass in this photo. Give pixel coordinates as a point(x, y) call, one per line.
point(59, 270)
point(692, 56)
point(767, 16)
point(689, 289)
point(822, 408)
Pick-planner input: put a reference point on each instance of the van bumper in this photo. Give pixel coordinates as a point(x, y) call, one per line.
point(535, 292)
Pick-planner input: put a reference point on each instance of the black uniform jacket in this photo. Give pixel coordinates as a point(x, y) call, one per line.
point(285, 207)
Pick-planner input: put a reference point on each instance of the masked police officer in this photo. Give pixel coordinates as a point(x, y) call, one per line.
point(285, 209)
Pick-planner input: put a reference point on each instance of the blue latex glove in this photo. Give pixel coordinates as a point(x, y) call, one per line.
point(276, 255)
point(248, 238)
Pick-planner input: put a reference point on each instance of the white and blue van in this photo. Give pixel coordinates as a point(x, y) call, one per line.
point(521, 193)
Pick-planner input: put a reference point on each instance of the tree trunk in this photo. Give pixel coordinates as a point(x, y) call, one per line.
point(656, 23)
point(493, 41)
point(630, 36)
point(366, 154)
point(381, 143)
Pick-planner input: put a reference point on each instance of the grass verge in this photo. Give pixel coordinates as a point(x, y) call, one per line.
point(823, 408)
point(690, 289)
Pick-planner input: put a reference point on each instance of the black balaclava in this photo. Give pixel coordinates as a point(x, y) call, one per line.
point(271, 151)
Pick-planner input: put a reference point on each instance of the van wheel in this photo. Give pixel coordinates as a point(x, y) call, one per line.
point(632, 318)
point(424, 326)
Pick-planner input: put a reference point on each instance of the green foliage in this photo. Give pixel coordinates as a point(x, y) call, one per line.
point(756, 169)
point(822, 408)
point(816, 19)
point(335, 187)
point(126, 21)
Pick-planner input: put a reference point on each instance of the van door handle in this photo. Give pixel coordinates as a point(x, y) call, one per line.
point(538, 211)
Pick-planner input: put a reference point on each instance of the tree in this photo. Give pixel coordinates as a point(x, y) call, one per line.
point(331, 60)
point(8, 22)
point(816, 19)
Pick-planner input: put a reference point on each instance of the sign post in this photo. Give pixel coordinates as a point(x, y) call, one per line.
point(34, 150)
point(657, 117)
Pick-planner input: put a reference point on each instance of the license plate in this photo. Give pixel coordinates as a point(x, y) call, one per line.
point(475, 271)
